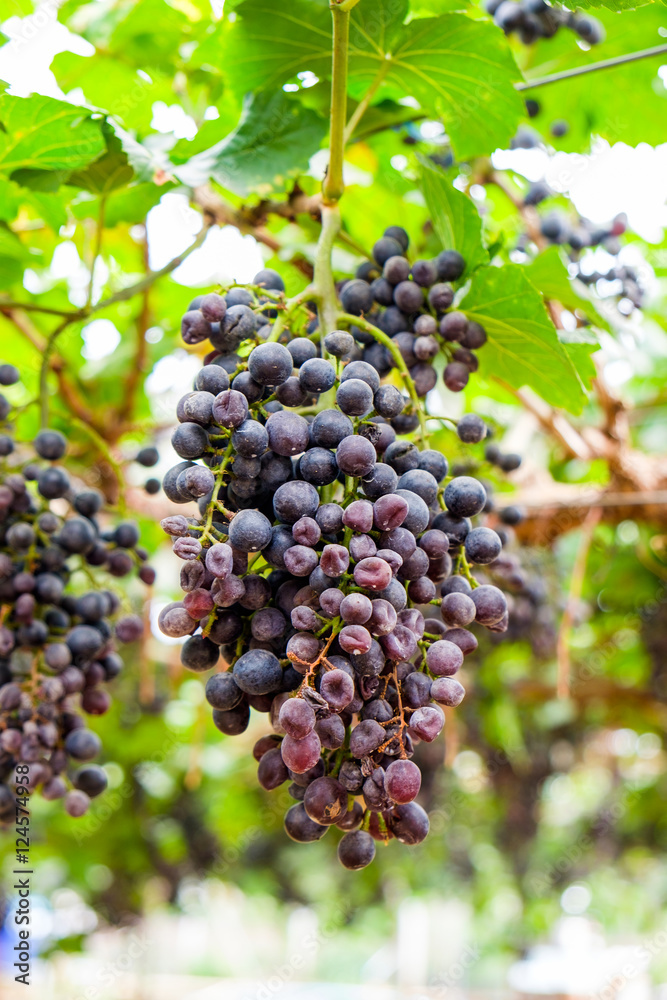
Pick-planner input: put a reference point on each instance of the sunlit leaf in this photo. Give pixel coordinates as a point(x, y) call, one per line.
point(523, 346)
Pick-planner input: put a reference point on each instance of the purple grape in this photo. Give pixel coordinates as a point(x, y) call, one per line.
point(288, 433)
point(219, 560)
point(416, 689)
point(362, 547)
point(356, 850)
point(330, 601)
point(447, 691)
point(457, 609)
point(303, 648)
point(359, 516)
point(334, 560)
point(305, 620)
point(427, 723)
point(389, 512)
point(331, 731)
point(355, 609)
point(354, 639)
point(372, 574)
point(297, 718)
point(482, 545)
point(383, 618)
point(230, 408)
point(464, 639)
point(402, 781)
point(401, 644)
point(325, 801)
point(301, 755)
point(366, 737)
point(294, 500)
point(355, 456)
point(272, 772)
point(300, 827)
point(409, 823)
point(337, 688)
point(443, 658)
point(300, 560)
point(306, 531)
point(490, 604)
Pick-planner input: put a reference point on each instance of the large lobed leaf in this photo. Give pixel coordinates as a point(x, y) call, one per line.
point(523, 347)
point(274, 140)
point(456, 68)
point(40, 133)
point(455, 219)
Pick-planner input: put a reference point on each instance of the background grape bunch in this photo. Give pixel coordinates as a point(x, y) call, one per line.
point(59, 619)
point(534, 19)
point(329, 571)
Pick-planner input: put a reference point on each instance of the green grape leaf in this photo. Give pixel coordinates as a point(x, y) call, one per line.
point(46, 181)
point(523, 347)
point(274, 140)
point(39, 133)
point(455, 219)
point(549, 275)
point(456, 68)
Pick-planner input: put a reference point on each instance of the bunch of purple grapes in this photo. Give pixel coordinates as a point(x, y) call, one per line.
point(56, 639)
point(413, 304)
point(535, 19)
point(327, 577)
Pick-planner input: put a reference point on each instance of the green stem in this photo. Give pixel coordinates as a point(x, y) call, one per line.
point(362, 106)
point(97, 249)
point(463, 567)
point(44, 371)
point(323, 277)
point(279, 323)
point(398, 358)
point(567, 74)
point(332, 188)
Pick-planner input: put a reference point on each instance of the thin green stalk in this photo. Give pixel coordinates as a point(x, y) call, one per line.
point(307, 294)
point(399, 361)
point(567, 74)
point(97, 249)
point(44, 372)
point(362, 106)
point(332, 189)
point(323, 280)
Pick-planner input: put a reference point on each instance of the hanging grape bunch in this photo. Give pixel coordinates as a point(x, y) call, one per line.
point(412, 305)
point(558, 229)
point(324, 540)
point(56, 637)
point(534, 19)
